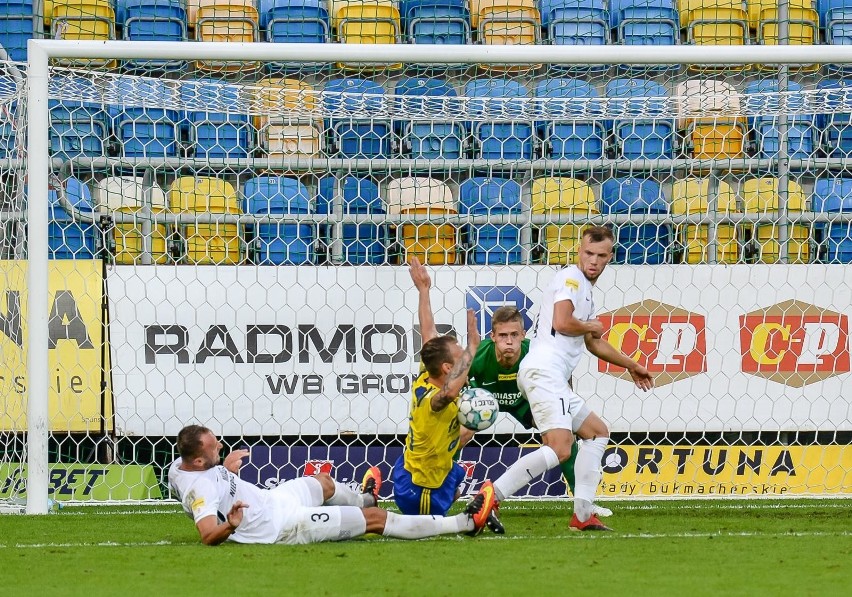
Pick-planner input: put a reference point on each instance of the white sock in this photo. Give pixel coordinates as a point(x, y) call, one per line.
point(343, 496)
point(587, 471)
point(526, 469)
point(420, 526)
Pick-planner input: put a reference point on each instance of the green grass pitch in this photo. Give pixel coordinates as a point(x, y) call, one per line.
point(754, 547)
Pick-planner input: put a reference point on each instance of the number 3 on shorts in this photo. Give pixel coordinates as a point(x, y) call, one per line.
point(319, 517)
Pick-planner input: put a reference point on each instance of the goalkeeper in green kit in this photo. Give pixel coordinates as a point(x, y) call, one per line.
point(495, 368)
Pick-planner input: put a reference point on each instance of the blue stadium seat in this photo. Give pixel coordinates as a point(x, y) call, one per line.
point(834, 195)
point(637, 244)
point(294, 22)
point(217, 129)
point(362, 243)
point(427, 139)
point(835, 17)
point(638, 138)
point(493, 243)
point(498, 135)
point(359, 136)
point(153, 20)
point(575, 23)
point(143, 130)
point(279, 243)
point(68, 238)
point(800, 129)
point(646, 23)
point(8, 118)
point(18, 24)
point(564, 137)
point(835, 127)
point(78, 128)
point(435, 21)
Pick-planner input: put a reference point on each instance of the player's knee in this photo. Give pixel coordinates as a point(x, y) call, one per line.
point(563, 451)
point(375, 518)
point(327, 484)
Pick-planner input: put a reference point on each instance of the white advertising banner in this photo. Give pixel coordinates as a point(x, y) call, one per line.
point(312, 350)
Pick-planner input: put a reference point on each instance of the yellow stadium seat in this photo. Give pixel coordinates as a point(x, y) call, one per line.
point(559, 196)
point(715, 131)
point(234, 21)
point(207, 243)
point(365, 22)
point(434, 244)
point(803, 27)
point(127, 194)
point(290, 131)
point(691, 196)
point(506, 23)
point(83, 20)
point(714, 22)
point(760, 196)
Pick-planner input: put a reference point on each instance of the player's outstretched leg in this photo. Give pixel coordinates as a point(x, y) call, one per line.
point(567, 469)
point(371, 484)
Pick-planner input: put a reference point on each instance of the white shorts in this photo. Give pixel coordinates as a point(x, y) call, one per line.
point(553, 404)
point(301, 518)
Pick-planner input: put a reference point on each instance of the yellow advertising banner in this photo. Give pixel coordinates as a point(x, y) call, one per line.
point(80, 398)
point(703, 471)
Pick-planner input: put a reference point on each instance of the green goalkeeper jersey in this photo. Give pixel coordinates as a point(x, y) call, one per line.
point(486, 372)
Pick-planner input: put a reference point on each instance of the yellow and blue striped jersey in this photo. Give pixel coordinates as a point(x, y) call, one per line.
point(433, 437)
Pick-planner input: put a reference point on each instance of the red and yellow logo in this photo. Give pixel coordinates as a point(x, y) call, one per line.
point(670, 341)
point(794, 343)
point(315, 467)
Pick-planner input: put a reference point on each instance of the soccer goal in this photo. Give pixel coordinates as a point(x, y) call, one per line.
point(217, 234)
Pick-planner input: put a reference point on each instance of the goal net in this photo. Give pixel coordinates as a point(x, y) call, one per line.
point(228, 244)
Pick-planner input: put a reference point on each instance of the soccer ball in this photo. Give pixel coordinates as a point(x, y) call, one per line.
point(478, 409)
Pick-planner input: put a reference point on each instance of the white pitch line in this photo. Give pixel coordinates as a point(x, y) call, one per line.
point(75, 545)
point(695, 535)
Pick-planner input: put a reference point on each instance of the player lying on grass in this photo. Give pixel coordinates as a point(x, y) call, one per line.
point(567, 325)
point(495, 368)
point(306, 510)
point(426, 476)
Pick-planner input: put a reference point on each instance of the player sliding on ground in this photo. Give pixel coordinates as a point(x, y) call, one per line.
point(305, 510)
point(565, 325)
point(495, 368)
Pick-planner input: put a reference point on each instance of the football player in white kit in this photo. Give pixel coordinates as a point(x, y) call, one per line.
point(306, 510)
point(566, 325)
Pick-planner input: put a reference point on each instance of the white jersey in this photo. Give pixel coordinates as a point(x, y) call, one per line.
point(550, 350)
point(213, 493)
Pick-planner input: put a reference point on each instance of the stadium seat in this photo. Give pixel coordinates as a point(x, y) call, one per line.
point(435, 21)
point(760, 196)
point(802, 27)
point(641, 138)
point(206, 243)
point(83, 20)
point(717, 133)
point(575, 23)
point(362, 243)
point(800, 129)
point(646, 23)
point(431, 243)
point(835, 127)
point(19, 22)
point(715, 22)
point(691, 196)
point(233, 21)
point(365, 22)
point(427, 138)
point(153, 20)
point(12, 140)
point(68, 237)
point(363, 134)
point(835, 17)
point(77, 128)
point(645, 244)
point(128, 194)
point(556, 197)
point(834, 195)
point(565, 136)
point(278, 243)
point(294, 21)
point(218, 125)
point(495, 243)
point(293, 135)
point(146, 122)
point(496, 134)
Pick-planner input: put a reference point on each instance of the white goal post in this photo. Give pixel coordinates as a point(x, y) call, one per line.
point(39, 164)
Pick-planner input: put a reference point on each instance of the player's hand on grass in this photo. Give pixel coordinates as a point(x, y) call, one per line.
point(642, 377)
point(235, 516)
point(234, 460)
point(419, 275)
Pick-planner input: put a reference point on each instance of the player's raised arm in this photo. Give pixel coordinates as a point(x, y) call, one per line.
point(423, 283)
point(457, 377)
